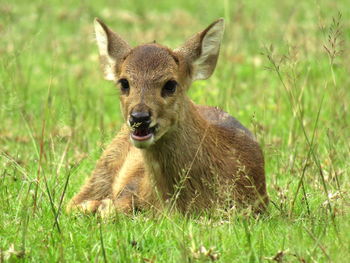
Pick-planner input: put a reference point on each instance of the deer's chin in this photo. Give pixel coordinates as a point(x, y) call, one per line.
point(143, 142)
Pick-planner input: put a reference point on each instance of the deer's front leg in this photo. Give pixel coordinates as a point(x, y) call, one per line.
point(131, 189)
point(99, 186)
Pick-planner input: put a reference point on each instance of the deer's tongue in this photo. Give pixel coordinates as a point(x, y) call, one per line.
point(142, 133)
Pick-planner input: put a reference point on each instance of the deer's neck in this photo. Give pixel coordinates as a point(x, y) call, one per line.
point(179, 161)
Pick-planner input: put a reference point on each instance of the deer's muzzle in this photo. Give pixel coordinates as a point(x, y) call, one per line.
point(140, 124)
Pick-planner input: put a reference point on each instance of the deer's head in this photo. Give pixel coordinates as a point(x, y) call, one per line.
point(153, 79)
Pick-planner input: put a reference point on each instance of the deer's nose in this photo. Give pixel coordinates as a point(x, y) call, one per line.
point(140, 118)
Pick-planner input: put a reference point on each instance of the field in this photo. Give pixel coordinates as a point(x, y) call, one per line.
point(284, 72)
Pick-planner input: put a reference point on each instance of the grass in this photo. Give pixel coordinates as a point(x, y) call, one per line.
point(282, 73)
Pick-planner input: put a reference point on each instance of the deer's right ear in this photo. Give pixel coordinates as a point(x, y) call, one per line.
point(112, 49)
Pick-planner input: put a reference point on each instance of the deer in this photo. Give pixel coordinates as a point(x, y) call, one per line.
point(171, 153)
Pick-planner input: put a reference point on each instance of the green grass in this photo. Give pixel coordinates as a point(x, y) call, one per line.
point(274, 75)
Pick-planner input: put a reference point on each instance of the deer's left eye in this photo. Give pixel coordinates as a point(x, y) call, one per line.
point(169, 88)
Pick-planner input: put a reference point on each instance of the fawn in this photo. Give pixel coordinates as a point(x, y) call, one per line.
point(170, 150)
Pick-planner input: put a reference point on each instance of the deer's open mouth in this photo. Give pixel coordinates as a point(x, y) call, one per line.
point(142, 133)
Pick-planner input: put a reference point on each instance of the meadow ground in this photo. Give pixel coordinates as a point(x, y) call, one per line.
point(284, 72)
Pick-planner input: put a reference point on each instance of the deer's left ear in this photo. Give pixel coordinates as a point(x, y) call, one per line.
point(112, 49)
point(202, 50)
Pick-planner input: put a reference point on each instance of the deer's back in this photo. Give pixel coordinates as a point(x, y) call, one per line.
point(218, 117)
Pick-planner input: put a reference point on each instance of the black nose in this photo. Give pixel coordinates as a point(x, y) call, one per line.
point(140, 118)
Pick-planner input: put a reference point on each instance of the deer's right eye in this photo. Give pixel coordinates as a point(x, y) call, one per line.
point(124, 86)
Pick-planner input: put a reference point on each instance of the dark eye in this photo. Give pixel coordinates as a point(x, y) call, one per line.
point(169, 88)
point(124, 86)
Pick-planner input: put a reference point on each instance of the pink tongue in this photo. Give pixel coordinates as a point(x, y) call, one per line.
point(139, 137)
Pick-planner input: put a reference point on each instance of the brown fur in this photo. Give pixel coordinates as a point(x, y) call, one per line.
point(201, 158)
